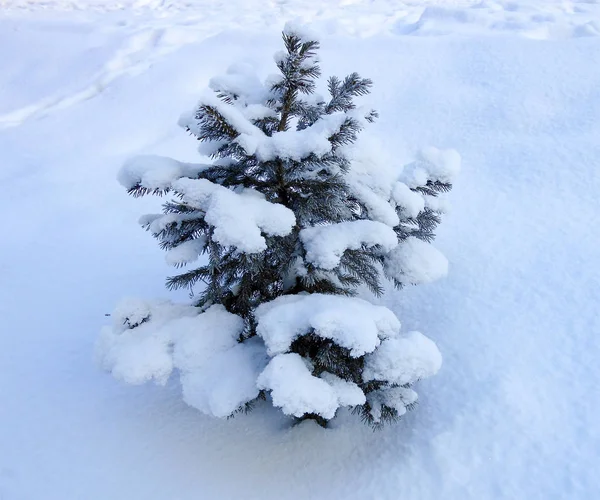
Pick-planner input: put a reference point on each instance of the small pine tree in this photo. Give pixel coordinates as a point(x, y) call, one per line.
point(289, 233)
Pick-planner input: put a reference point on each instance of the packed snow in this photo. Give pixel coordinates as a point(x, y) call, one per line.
point(512, 413)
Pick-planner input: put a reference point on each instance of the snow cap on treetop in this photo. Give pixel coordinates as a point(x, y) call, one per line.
point(301, 30)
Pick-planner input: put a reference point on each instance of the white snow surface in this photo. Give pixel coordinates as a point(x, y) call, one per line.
point(351, 322)
point(513, 412)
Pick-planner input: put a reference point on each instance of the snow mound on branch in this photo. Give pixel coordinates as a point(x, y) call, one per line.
point(289, 144)
point(415, 261)
point(411, 202)
point(301, 30)
point(375, 182)
point(350, 322)
point(155, 172)
point(131, 312)
point(242, 82)
point(157, 223)
point(370, 179)
point(135, 359)
point(293, 144)
point(232, 114)
point(137, 348)
point(398, 398)
point(227, 380)
point(295, 390)
point(348, 393)
point(213, 331)
point(325, 244)
point(238, 218)
point(403, 360)
point(186, 252)
point(149, 339)
point(378, 206)
point(432, 164)
point(438, 204)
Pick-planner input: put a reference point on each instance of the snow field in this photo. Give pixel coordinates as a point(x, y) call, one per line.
point(513, 411)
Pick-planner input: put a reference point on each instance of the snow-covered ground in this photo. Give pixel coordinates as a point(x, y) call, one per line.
point(514, 86)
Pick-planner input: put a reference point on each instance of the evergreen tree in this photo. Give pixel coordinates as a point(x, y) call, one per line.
point(289, 233)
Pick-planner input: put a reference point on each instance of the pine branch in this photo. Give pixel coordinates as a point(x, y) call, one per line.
point(213, 126)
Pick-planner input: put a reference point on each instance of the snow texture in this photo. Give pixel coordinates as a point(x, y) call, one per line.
point(371, 178)
point(326, 244)
point(301, 30)
point(150, 339)
point(239, 219)
point(295, 390)
point(433, 164)
point(415, 261)
point(218, 391)
point(155, 172)
point(241, 82)
point(512, 85)
point(292, 144)
point(348, 393)
point(288, 144)
point(403, 360)
point(411, 202)
point(375, 182)
point(186, 252)
point(350, 322)
point(157, 223)
point(398, 398)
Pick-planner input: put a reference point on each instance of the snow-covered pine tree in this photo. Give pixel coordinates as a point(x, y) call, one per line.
point(289, 224)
